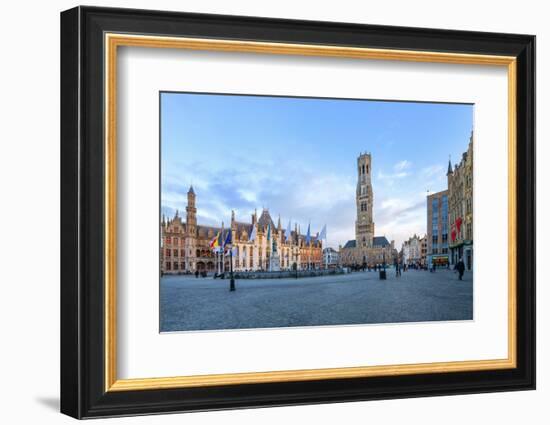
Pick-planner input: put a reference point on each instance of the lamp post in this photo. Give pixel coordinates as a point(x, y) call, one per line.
point(383, 271)
point(232, 280)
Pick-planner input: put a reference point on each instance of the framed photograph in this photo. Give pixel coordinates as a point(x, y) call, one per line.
point(261, 212)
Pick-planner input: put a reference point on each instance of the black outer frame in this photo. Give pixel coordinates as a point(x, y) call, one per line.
point(82, 219)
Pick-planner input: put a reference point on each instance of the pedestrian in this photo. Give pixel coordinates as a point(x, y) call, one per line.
point(196, 274)
point(460, 268)
point(397, 269)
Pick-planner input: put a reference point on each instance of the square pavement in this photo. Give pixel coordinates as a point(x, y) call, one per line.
point(188, 303)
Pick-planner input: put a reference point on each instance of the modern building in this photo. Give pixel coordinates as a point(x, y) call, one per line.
point(257, 245)
point(460, 185)
point(366, 249)
point(438, 229)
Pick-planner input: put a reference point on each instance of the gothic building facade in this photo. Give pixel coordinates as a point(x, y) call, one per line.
point(412, 250)
point(256, 245)
point(366, 249)
point(461, 200)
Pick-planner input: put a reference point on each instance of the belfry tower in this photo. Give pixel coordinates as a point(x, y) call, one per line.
point(364, 225)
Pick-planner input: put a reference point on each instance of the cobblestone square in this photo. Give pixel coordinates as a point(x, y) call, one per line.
point(188, 303)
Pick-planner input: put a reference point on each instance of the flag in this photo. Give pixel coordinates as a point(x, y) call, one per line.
point(287, 231)
point(219, 242)
point(232, 251)
point(214, 242)
point(458, 223)
point(323, 234)
point(308, 234)
point(253, 234)
point(227, 238)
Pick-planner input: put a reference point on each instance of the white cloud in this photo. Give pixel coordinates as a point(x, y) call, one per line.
point(402, 165)
point(248, 195)
point(433, 170)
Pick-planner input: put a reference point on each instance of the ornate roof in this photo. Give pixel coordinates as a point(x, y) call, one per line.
point(380, 242)
point(377, 242)
point(207, 228)
point(242, 227)
point(350, 244)
point(265, 219)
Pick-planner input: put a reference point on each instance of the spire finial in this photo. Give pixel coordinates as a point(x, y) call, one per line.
point(450, 167)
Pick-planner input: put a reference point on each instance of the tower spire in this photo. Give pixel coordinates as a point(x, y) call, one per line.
point(191, 211)
point(450, 167)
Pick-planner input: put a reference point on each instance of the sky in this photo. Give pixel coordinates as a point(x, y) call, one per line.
point(297, 157)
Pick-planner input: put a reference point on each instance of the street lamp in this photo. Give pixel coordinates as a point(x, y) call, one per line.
point(383, 271)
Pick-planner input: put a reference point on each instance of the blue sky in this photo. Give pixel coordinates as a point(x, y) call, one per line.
point(297, 157)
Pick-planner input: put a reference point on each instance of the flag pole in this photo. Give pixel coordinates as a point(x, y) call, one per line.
point(232, 281)
point(325, 235)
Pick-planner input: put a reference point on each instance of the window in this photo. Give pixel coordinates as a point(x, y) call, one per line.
point(168, 266)
point(175, 266)
point(168, 253)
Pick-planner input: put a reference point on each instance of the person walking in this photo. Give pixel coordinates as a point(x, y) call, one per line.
point(460, 268)
point(397, 269)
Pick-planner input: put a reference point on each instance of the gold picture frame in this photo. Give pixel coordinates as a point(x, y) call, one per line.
point(114, 41)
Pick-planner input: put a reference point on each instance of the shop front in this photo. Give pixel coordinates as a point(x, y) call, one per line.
point(465, 251)
point(441, 260)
